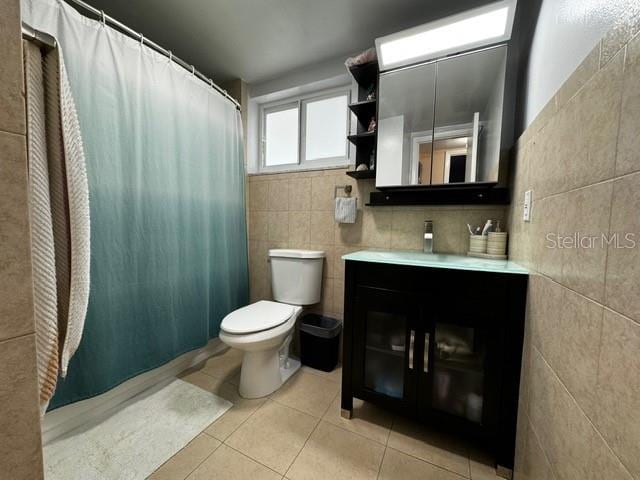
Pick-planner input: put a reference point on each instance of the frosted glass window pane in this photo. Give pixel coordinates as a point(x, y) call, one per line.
point(281, 137)
point(326, 128)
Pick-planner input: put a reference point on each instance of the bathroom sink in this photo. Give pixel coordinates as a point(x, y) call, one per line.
point(436, 260)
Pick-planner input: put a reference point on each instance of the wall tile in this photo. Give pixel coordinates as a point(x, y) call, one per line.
point(16, 298)
point(299, 228)
point(628, 159)
point(258, 226)
point(258, 195)
point(300, 193)
point(619, 389)
point(12, 117)
point(597, 113)
point(322, 193)
point(587, 69)
point(535, 465)
point(328, 270)
point(615, 39)
point(577, 348)
point(322, 228)
point(564, 431)
point(588, 212)
point(20, 449)
point(407, 228)
point(350, 233)
point(549, 222)
point(603, 463)
point(376, 228)
point(278, 226)
point(278, 196)
point(623, 264)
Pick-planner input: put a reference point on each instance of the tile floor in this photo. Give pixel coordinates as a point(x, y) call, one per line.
point(297, 434)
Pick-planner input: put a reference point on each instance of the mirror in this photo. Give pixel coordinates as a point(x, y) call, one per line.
point(405, 119)
point(440, 122)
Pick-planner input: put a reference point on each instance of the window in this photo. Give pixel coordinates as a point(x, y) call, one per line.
point(307, 132)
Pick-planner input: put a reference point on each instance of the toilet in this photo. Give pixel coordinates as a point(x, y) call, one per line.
point(264, 329)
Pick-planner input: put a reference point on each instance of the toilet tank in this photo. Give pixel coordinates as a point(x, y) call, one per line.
point(296, 275)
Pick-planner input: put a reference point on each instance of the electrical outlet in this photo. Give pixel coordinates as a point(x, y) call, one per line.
point(527, 206)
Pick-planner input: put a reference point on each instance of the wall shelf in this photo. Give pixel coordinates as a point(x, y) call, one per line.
point(362, 174)
point(363, 138)
point(365, 109)
point(460, 194)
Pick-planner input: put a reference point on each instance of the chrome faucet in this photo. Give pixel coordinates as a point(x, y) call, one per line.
point(427, 246)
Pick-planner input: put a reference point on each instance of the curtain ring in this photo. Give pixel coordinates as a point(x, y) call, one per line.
point(141, 39)
point(170, 56)
point(211, 83)
point(193, 70)
point(103, 19)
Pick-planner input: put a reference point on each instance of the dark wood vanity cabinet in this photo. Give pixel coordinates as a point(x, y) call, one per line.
point(442, 346)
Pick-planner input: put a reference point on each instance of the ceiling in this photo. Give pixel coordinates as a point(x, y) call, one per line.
point(259, 40)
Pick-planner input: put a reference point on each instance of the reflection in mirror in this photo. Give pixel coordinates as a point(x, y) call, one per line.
point(468, 115)
point(405, 119)
point(441, 122)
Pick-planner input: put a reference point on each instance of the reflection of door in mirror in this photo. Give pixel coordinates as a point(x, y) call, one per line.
point(405, 116)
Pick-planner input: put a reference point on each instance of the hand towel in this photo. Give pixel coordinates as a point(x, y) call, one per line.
point(346, 210)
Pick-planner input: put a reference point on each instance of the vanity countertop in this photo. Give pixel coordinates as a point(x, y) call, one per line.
point(436, 260)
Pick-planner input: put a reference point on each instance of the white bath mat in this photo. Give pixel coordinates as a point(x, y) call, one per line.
point(134, 441)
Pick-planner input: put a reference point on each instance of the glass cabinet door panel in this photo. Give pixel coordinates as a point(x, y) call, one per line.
point(385, 347)
point(459, 370)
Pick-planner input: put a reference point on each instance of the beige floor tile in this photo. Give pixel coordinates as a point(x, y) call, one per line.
point(236, 415)
point(186, 460)
point(227, 464)
point(367, 420)
point(333, 453)
point(482, 466)
point(308, 393)
point(224, 366)
point(273, 435)
point(335, 375)
point(438, 449)
point(398, 466)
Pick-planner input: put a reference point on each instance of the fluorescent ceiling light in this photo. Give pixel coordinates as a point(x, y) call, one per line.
point(472, 29)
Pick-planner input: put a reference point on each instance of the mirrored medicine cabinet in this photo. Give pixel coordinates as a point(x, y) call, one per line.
point(440, 122)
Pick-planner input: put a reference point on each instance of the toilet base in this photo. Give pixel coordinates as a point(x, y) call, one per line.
point(261, 373)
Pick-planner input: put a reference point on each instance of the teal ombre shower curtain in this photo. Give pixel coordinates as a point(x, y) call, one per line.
point(166, 191)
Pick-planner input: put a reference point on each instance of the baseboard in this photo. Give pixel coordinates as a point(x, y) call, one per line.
point(67, 418)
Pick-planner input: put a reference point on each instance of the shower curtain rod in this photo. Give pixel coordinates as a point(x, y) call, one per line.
point(104, 18)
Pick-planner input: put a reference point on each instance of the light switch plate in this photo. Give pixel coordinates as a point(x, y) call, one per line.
point(527, 206)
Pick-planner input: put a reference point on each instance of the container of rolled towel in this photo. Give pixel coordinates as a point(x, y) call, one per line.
point(346, 207)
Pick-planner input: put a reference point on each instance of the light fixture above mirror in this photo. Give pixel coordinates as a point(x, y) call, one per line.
point(472, 29)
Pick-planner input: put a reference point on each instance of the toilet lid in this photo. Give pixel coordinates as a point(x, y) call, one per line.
point(256, 317)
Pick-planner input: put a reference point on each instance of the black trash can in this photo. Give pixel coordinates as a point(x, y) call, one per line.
point(319, 342)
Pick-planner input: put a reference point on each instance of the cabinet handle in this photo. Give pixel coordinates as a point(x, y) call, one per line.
point(412, 339)
point(426, 352)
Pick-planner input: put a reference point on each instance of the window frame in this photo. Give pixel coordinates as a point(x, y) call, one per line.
point(301, 102)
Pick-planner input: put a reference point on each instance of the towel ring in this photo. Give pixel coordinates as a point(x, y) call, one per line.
point(347, 189)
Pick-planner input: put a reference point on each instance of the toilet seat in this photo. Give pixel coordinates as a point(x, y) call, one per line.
point(257, 317)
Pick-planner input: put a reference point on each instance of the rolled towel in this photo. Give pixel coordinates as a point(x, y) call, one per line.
point(346, 209)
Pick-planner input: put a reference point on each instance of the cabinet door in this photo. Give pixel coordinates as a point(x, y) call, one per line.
point(384, 350)
point(458, 381)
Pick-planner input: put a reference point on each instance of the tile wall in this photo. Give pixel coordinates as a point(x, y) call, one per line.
point(295, 210)
point(20, 445)
point(579, 413)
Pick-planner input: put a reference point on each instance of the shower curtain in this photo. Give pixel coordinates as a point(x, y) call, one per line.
point(166, 191)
